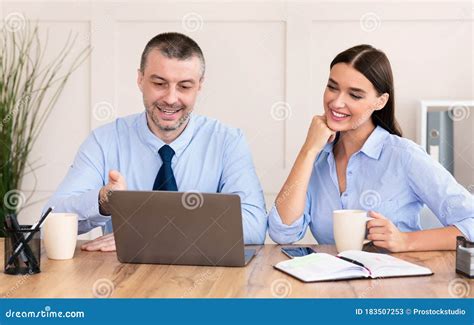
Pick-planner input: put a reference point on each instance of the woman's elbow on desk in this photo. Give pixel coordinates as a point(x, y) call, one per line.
point(280, 239)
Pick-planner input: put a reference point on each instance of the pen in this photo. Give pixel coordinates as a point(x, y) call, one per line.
point(352, 261)
point(13, 226)
point(42, 219)
point(9, 228)
point(34, 228)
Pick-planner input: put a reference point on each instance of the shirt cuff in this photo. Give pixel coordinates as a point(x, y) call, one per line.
point(284, 234)
point(466, 226)
point(91, 218)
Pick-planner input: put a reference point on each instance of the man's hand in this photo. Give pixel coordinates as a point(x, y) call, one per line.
point(104, 244)
point(116, 183)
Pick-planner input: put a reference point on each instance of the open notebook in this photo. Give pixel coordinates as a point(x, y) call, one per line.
point(349, 265)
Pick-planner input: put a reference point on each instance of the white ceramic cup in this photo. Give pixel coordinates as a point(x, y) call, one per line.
point(60, 235)
point(350, 229)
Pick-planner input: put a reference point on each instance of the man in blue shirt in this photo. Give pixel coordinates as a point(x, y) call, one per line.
point(167, 147)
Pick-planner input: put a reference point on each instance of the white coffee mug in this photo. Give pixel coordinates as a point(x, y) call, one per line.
point(60, 235)
point(349, 229)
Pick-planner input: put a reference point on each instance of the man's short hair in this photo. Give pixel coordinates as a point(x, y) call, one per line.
point(173, 46)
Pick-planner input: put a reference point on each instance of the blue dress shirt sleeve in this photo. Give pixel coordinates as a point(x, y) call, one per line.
point(437, 188)
point(79, 191)
point(287, 234)
point(239, 177)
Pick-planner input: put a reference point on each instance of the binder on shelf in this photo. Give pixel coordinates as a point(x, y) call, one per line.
point(440, 140)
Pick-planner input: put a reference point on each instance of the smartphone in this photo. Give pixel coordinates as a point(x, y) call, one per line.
point(297, 251)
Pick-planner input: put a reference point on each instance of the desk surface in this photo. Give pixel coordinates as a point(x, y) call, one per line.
point(95, 274)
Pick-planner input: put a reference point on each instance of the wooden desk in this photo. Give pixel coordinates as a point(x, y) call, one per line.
point(76, 278)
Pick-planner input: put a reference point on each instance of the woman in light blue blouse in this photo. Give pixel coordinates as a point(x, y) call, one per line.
point(354, 157)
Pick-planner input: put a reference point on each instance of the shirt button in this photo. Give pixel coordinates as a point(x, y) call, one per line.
point(350, 173)
point(345, 194)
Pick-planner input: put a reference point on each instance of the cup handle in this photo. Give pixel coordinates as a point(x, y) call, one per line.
point(366, 241)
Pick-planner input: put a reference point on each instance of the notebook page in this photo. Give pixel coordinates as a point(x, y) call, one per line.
point(384, 265)
point(320, 267)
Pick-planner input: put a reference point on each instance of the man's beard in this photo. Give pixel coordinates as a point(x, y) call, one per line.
point(167, 128)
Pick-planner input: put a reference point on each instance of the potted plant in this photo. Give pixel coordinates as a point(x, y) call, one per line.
point(29, 90)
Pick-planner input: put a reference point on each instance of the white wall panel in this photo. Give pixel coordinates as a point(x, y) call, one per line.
point(259, 55)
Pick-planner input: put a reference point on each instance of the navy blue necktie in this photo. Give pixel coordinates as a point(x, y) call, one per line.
point(165, 180)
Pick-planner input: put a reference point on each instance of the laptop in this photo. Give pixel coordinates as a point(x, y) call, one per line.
point(188, 228)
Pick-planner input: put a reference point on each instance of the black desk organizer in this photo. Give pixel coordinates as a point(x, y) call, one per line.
point(28, 261)
point(464, 257)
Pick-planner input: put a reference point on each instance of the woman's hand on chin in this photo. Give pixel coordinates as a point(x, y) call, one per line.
point(318, 134)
